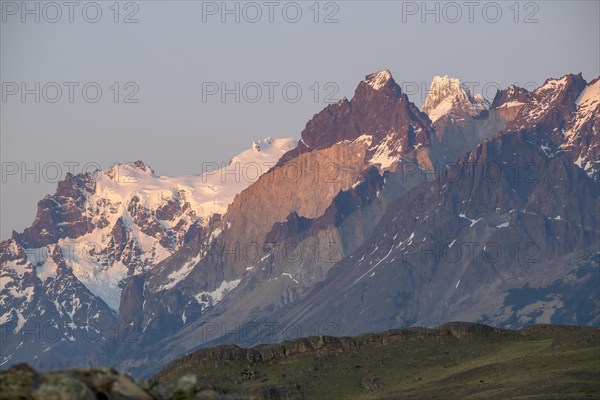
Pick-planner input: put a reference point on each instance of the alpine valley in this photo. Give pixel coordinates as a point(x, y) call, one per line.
point(381, 216)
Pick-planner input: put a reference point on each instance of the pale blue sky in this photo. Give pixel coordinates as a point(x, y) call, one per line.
point(170, 52)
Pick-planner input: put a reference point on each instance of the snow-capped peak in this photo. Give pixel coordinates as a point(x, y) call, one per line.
point(551, 89)
point(137, 219)
point(555, 82)
point(448, 94)
point(378, 80)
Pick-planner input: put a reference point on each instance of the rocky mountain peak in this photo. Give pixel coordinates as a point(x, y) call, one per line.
point(549, 107)
point(511, 96)
point(449, 96)
point(562, 91)
point(142, 166)
point(378, 110)
point(376, 85)
point(378, 80)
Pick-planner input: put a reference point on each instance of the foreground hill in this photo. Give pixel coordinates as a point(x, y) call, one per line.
point(455, 360)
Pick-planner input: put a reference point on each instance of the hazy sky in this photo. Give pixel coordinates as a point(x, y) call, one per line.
point(178, 51)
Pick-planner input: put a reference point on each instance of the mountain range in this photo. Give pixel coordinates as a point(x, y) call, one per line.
point(381, 216)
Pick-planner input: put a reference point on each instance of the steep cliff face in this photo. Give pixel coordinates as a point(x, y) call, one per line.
point(61, 215)
point(469, 246)
point(509, 101)
point(582, 132)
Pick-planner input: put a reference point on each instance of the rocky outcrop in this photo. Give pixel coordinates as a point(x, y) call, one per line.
point(23, 382)
point(62, 214)
point(323, 345)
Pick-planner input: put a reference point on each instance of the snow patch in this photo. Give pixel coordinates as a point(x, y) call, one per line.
point(289, 276)
point(473, 221)
point(378, 79)
point(383, 155)
point(212, 298)
point(510, 104)
point(177, 276)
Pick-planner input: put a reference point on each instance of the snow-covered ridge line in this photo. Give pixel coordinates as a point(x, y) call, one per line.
point(138, 219)
point(207, 299)
point(209, 192)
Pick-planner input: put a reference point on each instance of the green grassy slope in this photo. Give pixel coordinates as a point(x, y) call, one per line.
point(456, 361)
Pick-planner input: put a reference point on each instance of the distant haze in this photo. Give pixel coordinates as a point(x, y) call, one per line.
point(177, 55)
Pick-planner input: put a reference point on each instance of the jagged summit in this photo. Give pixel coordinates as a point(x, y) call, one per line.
point(131, 169)
point(533, 108)
point(449, 96)
point(378, 110)
point(376, 85)
point(511, 97)
point(378, 80)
